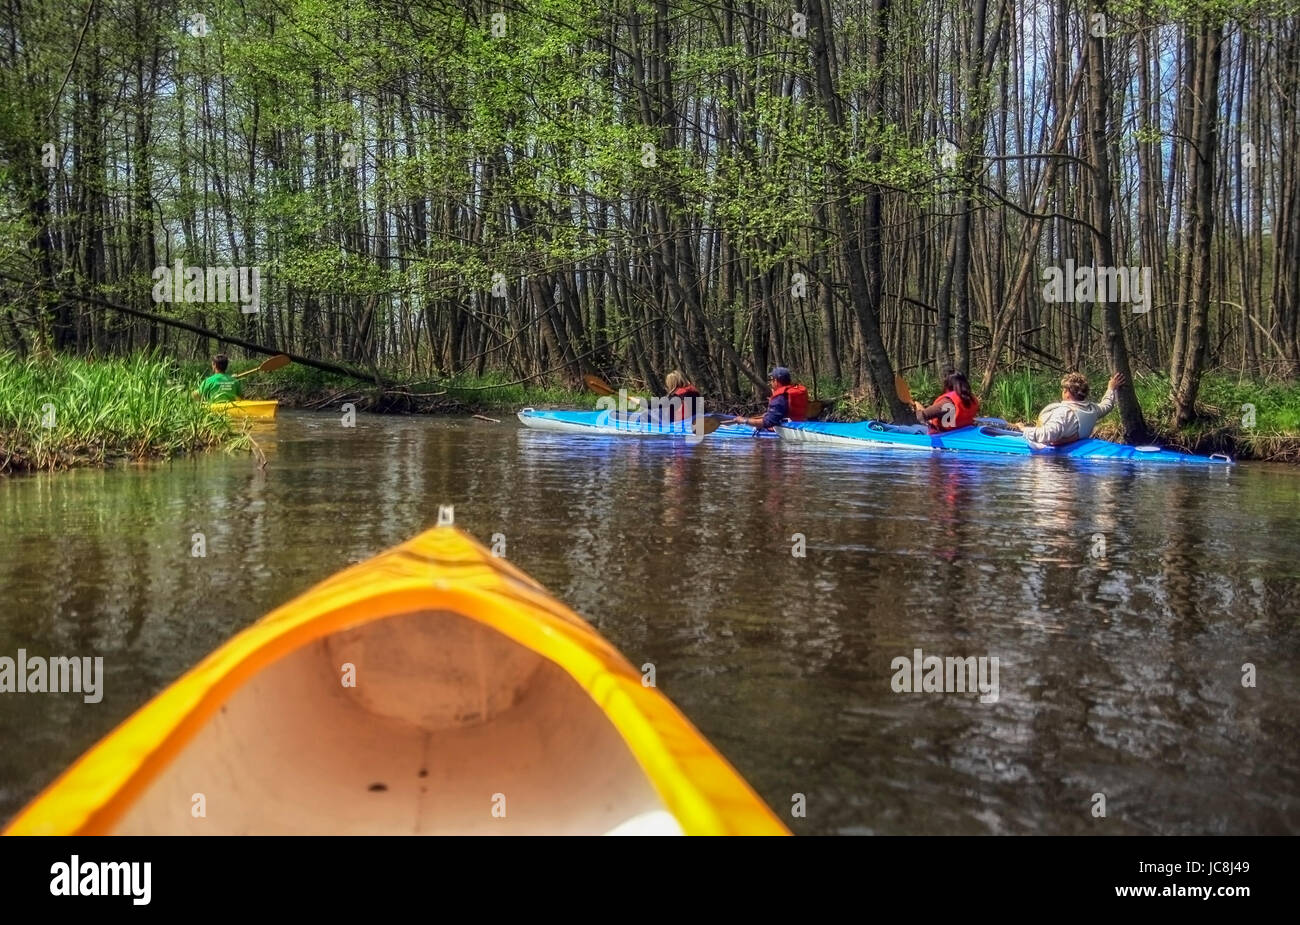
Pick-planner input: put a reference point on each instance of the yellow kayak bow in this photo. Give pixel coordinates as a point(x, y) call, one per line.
point(434, 689)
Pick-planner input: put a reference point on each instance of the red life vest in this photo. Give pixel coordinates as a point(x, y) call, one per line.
point(796, 397)
point(965, 415)
point(688, 395)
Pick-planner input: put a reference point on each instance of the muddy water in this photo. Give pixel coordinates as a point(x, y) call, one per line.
point(1121, 604)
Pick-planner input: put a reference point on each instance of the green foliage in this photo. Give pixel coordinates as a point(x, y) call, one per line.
point(1222, 403)
point(494, 390)
point(1019, 396)
point(100, 410)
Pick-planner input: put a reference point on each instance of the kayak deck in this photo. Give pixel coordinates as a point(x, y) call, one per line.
point(478, 704)
point(608, 423)
point(978, 439)
point(253, 410)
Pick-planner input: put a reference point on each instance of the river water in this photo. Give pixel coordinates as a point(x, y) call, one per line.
point(1121, 603)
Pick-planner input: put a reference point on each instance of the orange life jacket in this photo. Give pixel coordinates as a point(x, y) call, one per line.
point(689, 406)
point(965, 415)
point(796, 397)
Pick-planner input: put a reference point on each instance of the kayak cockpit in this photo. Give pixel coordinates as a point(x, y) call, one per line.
point(420, 724)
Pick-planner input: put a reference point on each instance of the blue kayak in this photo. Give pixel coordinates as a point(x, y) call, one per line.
point(978, 439)
point(611, 423)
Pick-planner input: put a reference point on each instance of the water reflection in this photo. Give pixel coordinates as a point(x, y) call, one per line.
point(1120, 672)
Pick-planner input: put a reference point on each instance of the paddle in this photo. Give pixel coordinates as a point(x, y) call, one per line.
point(268, 366)
point(601, 387)
point(597, 384)
point(904, 393)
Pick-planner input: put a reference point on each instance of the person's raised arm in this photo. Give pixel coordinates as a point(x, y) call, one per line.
point(1117, 381)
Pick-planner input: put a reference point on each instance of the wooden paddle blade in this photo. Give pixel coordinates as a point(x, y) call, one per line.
point(904, 393)
point(711, 424)
point(598, 385)
point(270, 365)
point(815, 409)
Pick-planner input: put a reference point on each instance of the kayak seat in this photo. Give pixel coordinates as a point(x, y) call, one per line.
point(884, 428)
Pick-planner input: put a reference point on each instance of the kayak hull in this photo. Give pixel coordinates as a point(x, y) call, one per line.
point(606, 424)
point(980, 440)
point(252, 410)
point(434, 689)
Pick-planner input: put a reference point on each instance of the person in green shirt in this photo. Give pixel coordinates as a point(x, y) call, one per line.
point(220, 386)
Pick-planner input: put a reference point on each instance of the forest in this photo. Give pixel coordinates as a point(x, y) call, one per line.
point(538, 190)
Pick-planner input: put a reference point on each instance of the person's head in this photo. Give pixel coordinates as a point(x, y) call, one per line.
point(953, 381)
point(220, 362)
point(780, 375)
point(1074, 387)
point(674, 380)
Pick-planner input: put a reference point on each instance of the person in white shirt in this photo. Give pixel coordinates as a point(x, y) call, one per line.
point(1073, 417)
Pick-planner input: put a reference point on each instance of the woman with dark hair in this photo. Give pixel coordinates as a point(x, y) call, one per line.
point(956, 407)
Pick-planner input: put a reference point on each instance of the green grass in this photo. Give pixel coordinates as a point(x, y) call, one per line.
point(66, 412)
point(498, 391)
point(1019, 397)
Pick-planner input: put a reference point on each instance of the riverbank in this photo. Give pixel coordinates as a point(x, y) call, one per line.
point(140, 408)
point(297, 386)
point(66, 412)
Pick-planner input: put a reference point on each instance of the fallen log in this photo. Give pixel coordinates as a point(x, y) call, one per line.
point(323, 365)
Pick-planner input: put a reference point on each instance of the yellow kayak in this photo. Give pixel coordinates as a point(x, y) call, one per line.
point(432, 690)
point(256, 410)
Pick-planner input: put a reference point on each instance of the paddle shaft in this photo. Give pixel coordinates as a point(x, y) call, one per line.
point(601, 387)
point(267, 366)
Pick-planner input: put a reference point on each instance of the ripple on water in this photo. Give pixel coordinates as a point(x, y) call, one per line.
point(1120, 673)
